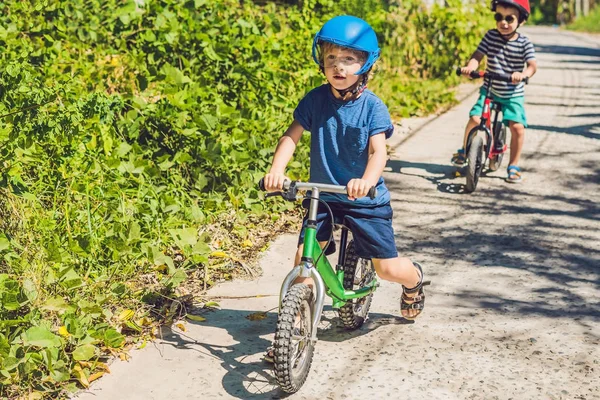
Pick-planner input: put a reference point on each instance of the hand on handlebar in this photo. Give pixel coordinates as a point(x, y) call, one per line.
point(518, 77)
point(466, 71)
point(274, 181)
point(358, 188)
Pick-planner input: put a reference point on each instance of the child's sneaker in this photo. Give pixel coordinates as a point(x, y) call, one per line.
point(459, 159)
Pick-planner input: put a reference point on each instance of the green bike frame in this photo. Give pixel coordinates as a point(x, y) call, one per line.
point(326, 280)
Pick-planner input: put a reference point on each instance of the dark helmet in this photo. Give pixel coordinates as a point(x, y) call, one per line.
point(521, 5)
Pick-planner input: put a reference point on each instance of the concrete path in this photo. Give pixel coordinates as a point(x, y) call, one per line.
point(514, 308)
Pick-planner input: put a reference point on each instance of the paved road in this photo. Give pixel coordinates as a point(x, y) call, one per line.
point(514, 308)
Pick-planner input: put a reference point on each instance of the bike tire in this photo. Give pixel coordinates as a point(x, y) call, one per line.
point(475, 166)
point(358, 272)
point(292, 357)
point(499, 136)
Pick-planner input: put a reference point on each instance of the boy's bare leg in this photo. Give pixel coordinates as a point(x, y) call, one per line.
point(400, 270)
point(517, 138)
point(473, 122)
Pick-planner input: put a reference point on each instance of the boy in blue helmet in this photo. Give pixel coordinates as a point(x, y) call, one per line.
point(349, 125)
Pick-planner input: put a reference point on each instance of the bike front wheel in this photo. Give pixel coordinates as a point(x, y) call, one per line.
point(293, 346)
point(358, 272)
point(475, 166)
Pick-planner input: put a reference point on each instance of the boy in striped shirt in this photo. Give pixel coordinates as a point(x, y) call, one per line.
point(507, 52)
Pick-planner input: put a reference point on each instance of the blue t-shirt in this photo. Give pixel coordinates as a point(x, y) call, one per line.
point(339, 144)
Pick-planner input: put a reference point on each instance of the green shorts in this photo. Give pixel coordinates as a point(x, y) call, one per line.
point(513, 109)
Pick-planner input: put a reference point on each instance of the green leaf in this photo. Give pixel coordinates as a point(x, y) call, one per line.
point(184, 237)
point(201, 248)
point(30, 290)
point(39, 336)
point(161, 259)
point(175, 280)
point(123, 149)
point(113, 339)
point(134, 231)
point(84, 353)
point(57, 304)
point(4, 242)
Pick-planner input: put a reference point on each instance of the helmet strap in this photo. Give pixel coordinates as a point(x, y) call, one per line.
point(354, 90)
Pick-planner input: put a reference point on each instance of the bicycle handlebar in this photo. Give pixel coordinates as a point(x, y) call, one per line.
point(323, 187)
point(491, 75)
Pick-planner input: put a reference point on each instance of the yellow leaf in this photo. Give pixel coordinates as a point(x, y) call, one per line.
point(80, 376)
point(95, 376)
point(102, 366)
point(257, 316)
point(85, 364)
point(144, 343)
point(144, 321)
point(126, 315)
point(62, 331)
point(195, 318)
point(35, 396)
point(247, 243)
point(162, 268)
point(181, 327)
point(219, 254)
point(123, 356)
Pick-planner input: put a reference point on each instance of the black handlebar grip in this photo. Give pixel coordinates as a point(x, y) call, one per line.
point(372, 193)
point(526, 80)
point(458, 72)
point(261, 184)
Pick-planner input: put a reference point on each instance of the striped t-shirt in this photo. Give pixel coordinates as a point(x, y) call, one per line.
point(506, 57)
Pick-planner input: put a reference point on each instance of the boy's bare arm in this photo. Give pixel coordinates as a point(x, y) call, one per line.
point(529, 72)
point(377, 159)
point(531, 68)
point(473, 63)
point(283, 154)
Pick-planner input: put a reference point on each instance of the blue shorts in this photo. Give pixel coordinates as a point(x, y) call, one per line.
point(371, 228)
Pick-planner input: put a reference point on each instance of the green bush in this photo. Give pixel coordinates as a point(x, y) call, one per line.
point(133, 132)
point(589, 23)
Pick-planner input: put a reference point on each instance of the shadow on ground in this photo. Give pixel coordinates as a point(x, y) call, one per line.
point(247, 376)
point(464, 231)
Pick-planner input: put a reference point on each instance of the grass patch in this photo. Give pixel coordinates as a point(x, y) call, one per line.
point(589, 23)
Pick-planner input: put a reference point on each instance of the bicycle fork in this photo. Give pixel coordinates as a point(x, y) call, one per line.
point(485, 127)
point(307, 270)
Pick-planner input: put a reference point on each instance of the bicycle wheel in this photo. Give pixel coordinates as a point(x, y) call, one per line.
point(499, 141)
point(476, 160)
point(358, 272)
point(293, 345)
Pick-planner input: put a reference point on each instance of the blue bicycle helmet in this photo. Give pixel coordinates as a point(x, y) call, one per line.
point(351, 32)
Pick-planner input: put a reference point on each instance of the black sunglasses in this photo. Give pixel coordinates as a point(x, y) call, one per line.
point(509, 18)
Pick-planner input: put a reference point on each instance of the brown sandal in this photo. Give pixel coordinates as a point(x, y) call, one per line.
point(269, 355)
point(416, 302)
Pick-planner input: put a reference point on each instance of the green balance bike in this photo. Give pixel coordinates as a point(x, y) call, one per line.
point(350, 285)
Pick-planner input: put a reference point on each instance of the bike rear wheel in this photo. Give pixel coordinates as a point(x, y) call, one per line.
point(293, 346)
point(475, 166)
point(358, 272)
point(499, 141)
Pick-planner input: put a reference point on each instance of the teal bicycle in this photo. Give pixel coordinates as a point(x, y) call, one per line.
point(350, 285)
